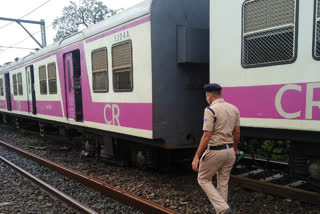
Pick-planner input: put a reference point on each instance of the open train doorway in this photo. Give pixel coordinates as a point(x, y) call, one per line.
point(31, 94)
point(72, 71)
point(8, 91)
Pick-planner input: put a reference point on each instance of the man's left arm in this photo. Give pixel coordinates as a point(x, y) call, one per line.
point(236, 137)
point(236, 131)
point(203, 145)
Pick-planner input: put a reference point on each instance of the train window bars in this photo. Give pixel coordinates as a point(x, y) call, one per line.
point(52, 78)
point(14, 84)
point(316, 39)
point(1, 87)
point(43, 79)
point(20, 87)
point(122, 67)
point(100, 80)
point(268, 32)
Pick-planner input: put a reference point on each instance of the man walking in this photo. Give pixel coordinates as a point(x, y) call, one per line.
point(221, 134)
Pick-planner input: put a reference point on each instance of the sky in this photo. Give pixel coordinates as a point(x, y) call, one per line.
point(14, 35)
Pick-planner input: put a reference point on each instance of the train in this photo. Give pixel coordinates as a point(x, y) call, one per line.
point(266, 55)
point(132, 85)
point(127, 83)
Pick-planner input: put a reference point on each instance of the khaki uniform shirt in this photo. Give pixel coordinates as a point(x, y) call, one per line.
point(221, 121)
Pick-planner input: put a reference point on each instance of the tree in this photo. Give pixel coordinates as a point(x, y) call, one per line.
point(87, 13)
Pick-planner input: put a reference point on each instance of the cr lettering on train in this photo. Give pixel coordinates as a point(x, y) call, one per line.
point(111, 114)
point(310, 102)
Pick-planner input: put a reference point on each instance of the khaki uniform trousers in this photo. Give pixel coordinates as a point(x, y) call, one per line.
point(218, 162)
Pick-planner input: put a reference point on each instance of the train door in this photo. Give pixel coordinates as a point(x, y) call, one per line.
point(8, 91)
point(72, 71)
point(31, 95)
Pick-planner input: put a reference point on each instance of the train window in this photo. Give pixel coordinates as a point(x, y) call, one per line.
point(122, 66)
point(69, 76)
point(1, 87)
point(268, 32)
point(52, 78)
point(100, 70)
point(20, 87)
point(316, 48)
point(14, 85)
point(43, 79)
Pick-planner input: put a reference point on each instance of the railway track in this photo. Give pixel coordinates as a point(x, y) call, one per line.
point(256, 186)
point(117, 194)
point(50, 189)
point(278, 190)
point(267, 184)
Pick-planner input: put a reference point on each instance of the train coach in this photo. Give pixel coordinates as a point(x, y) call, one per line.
point(266, 53)
point(130, 84)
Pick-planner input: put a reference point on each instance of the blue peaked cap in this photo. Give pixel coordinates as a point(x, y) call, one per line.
point(212, 87)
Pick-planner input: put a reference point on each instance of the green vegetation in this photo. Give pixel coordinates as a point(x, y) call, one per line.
point(87, 13)
point(276, 150)
point(279, 149)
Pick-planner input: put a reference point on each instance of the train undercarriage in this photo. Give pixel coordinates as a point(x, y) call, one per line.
point(115, 148)
point(299, 149)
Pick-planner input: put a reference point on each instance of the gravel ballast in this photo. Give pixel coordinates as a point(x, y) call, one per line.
point(179, 192)
point(19, 195)
point(87, 196)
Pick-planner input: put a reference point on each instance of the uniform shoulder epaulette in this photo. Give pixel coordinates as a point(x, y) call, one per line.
point(210, 109)
point(214, 114)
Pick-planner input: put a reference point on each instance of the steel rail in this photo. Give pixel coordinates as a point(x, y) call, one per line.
point(263, 163)
point(50, 189)
point(115, 193)
point(277, 190)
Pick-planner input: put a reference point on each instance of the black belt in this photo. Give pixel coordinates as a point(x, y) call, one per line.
point(221, 147)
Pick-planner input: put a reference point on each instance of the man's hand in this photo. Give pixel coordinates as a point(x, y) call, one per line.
point(203, 145)
point(195, 164)
point(235, 149)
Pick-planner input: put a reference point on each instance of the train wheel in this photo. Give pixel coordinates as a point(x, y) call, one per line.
point(140, 159)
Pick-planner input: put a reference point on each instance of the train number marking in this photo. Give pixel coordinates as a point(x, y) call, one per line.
point(18, 105)
point(49, 107)
point(111, 114)
point(309, 102)
point(121, 36)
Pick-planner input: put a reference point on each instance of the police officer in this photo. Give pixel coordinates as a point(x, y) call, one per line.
point(221, 134)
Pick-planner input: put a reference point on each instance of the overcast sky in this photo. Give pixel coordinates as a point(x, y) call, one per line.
point(14, 35)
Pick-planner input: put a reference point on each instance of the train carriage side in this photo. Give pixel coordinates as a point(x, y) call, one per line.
point(265, 53)
point(132, 78)
point(117, 78)
point(3, 105)
point(168, 50)
point(5, 93)
point(180, 57)
point(104, 73)
point(12, 95)
point(18, 95)
point(46, 87)
point(23, 93)
point(124, 106)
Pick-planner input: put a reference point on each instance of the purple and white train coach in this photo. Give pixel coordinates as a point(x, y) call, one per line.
point(135, 77)
point(270, 70)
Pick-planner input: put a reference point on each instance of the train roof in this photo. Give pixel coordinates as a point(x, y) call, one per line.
point(132, 13)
